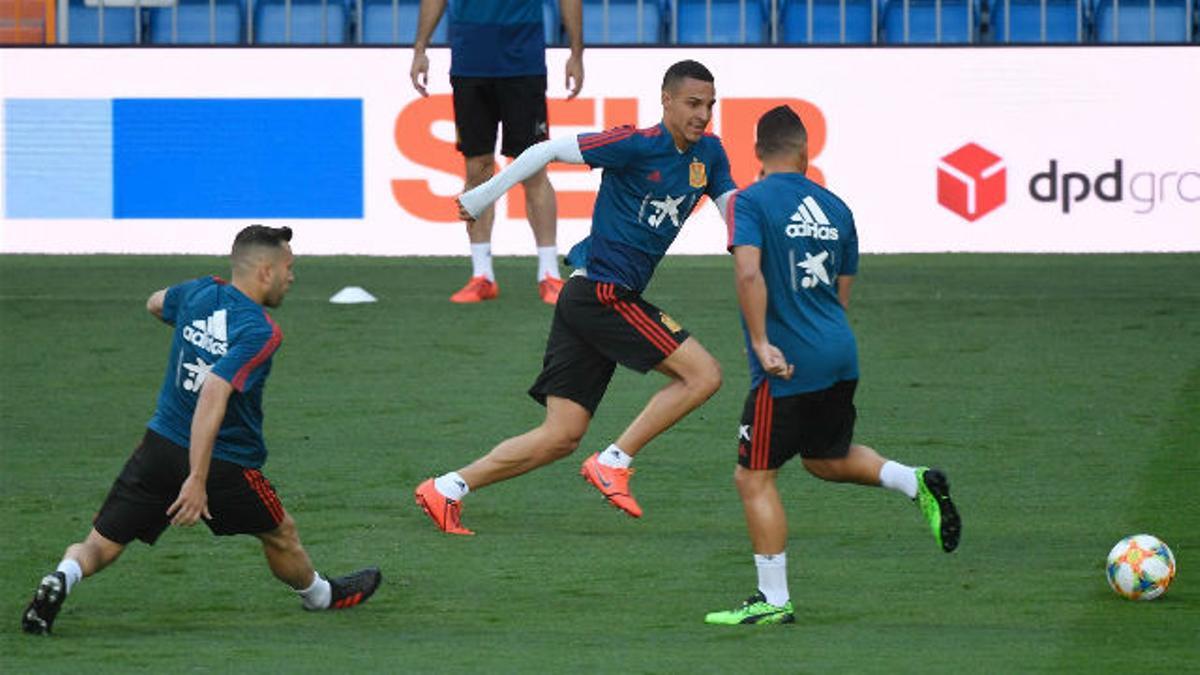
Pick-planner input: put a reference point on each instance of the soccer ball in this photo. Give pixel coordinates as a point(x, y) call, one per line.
point(1140, 567)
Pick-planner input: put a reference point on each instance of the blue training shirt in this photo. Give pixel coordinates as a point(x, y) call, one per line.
point(807, 238)
point(221, 331)
point(497, 38)
point(648, 189)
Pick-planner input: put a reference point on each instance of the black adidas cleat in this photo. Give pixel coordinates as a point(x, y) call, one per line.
point(38, 617)
point(933, 496)
point(354, 588)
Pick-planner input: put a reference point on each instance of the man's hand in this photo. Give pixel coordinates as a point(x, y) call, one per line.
point(191, 504)
point(419, 72)
point(574, 72)
point(773, 361)
point(463, 214)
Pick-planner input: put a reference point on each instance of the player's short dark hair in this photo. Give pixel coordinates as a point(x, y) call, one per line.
point(685, 69)
point(780, 131)
point(260, 235)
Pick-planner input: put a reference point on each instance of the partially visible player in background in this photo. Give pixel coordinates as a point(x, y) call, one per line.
point(498, 73)
point(203, 448)
point(653, 178)
point(796, 253)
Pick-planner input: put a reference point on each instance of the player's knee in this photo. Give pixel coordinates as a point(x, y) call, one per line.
point(563, 442)
point(479, 169)
point(825, 470)
point(708, 379)
point(285, 537)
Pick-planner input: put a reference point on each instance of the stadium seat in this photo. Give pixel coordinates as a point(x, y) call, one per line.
point(312, 22)
point(1021, 20)
point(826, 22)
point(1134, 21)
point(621, 24)
point(122, 25)
point(730, 21)
point(959, 22)
point(221, 22)
point(395, 22)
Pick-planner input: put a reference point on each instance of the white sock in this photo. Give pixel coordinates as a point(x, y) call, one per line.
point(548, 262)
point(772, 577)
point(615, 457)
point(318, 595)
point(451, 485)
point(481, 261)
point(896, 476)
point(71, 570)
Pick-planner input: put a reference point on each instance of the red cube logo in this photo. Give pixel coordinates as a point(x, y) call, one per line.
point(971, 181)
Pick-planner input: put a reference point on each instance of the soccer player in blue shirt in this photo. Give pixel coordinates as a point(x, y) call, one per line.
point(796, 253)
point(498, 74)
point(652, 180)
point(203, 449)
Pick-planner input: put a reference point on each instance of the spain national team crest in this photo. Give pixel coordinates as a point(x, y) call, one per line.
point(670, 323)
point(697, 176)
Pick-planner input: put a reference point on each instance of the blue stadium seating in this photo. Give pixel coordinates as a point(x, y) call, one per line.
point(1133, 21)
point(395, 22)
point(121, 25)
point(1021, 21)
point(312, 22)
point(959, 22)
point(222, 22)
point(622, 22)
point(826, 21)
point(692, 23)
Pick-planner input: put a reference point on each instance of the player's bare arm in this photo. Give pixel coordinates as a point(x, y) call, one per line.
point(572, 20)
point(473, 202)
point(844, 282)
point(154, 304)
point(427, 20)
point(752, 296)
point(192, 502)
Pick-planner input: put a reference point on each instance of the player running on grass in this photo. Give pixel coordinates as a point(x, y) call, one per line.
point(652, 180)
point(796, 253)
point(203, 448)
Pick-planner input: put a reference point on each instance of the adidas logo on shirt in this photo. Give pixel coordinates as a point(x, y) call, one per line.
point(810, 221)
point(209, 334)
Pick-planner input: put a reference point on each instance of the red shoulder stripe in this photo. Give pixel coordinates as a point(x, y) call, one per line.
point(239, 379)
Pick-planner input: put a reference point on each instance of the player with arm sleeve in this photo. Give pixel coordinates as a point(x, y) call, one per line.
point(652, 180)
point(203, 449)
point(795, 254)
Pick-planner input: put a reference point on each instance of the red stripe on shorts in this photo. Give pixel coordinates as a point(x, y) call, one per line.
point(655, 333)
point(259, 484)
point(636, 317)
point(764, 408)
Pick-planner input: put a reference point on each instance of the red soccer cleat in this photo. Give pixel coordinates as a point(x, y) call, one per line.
point(477, 289)
point(612, 482)
point(446, 513)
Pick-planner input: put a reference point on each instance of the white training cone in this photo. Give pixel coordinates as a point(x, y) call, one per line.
point(351, 295)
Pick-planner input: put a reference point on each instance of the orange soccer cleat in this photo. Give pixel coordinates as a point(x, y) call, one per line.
point(446, 513)
point(612, 482)
point(549, 288)
point(477, 289)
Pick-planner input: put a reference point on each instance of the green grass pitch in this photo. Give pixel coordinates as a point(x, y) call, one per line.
point(1060, 393)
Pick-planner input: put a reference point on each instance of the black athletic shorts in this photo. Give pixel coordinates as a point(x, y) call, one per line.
point(516, 103)
point(815, 425)
point(596, 326)
point(241, 500)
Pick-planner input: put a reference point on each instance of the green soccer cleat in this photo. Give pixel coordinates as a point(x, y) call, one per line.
point(755, 609)
point(933, 496)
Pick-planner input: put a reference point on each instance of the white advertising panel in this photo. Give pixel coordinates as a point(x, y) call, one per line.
point(1093, 149)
